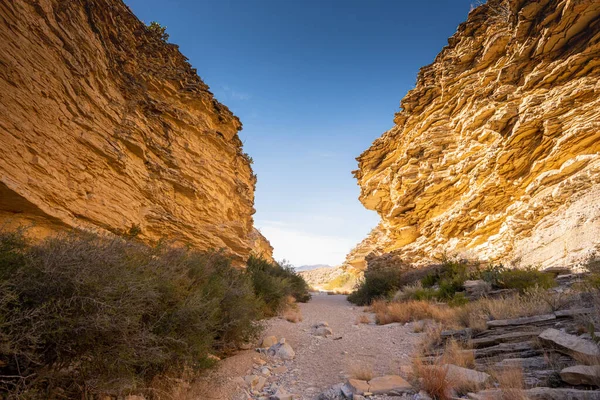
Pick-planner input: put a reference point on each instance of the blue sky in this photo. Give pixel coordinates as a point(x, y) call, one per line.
point(314, 83)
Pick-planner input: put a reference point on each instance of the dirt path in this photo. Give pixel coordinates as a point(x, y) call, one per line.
point(319, 362)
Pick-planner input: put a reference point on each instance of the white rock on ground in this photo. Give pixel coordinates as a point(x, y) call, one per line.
point(467, 376)
point(323, 331)
point(281, 350)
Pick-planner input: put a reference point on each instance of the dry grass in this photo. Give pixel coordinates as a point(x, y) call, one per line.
point(292, 312)
point(458, 354)
point(419, 327)
point(387, 313)
point(363, 319)
point(476, 314)
point(433, 380)
point(362, 371)
point(510, 381)
point(292, 315)
point(433, 337)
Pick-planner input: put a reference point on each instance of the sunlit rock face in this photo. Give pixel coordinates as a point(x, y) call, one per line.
point(495, 154)
point(105, 126)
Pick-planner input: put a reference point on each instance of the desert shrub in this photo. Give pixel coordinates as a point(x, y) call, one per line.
point(377, 284)
point(501, 277)
point(82, 315)
point(415, 291)
point(274, 282)
point(592, 265)
point(449, 278)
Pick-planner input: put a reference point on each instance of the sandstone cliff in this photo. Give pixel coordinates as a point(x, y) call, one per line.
point(105, 126)
point(495, 153)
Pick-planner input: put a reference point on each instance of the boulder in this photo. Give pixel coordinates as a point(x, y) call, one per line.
point(390, 385)
point(268, 341)
point(356, 386)
point(581, 375)
point(323, 331)
point(574, 346)
point(465, 376)
point(477, 288)
point(320, 324)
point(281, 350)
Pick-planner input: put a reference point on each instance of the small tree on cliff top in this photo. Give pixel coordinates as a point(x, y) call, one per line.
point(158, 30)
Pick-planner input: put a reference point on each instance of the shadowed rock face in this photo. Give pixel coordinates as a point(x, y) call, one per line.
point(104, 126)
point(495, 153)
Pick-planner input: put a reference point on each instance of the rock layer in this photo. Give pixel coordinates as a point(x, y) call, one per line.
point(105, 126)
point(495, 154)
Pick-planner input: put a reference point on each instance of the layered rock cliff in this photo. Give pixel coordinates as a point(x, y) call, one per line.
point(495, 154)
point(105, 126)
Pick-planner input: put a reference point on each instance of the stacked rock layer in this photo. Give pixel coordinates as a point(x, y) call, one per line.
point(495, 154)
point(105, 126)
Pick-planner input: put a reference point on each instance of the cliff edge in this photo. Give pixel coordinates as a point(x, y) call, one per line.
point(495, 154)
point(105, 126)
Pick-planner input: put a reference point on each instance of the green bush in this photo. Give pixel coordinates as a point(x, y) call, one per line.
point(376, 284)
point(592, 265)
point(82, 315)
point(520, 279)
point(274, 282)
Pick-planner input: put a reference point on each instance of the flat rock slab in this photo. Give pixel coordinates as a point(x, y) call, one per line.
point(507, 337)
point(540, 393)
point(525, 348)
point(357, 386)
point(528, 363)
point(388, 384)
point(466, 376)
point(574, 312)
point(520, 321)
point(572, 345)
point(581, 375)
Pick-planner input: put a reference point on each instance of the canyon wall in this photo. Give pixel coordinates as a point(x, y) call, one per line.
point(105, 126)
point(495, 154)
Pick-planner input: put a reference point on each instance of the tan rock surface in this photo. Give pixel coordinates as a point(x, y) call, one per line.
point(106, 127)
point(495, 154)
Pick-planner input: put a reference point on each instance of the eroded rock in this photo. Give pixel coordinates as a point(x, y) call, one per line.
point(496, 151)
point(116, 135)
point(578, 348)
point(281, 350)
point(581, 375)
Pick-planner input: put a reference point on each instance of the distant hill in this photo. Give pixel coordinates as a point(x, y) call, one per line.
point(311, 267)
